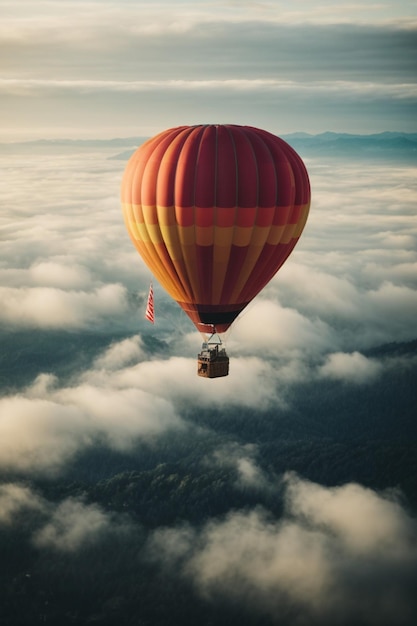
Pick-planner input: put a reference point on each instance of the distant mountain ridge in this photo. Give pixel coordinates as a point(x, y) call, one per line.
point(332, 136)
point(380, 145)
point(387, 144)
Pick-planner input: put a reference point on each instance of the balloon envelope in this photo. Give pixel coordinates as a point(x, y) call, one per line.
point(214, 211)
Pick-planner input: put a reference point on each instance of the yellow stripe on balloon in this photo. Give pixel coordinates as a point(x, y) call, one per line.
point(289, 233)
point(171, 239)
point(223, 236)
point(260, 235)
point(302, 221)
point(166, 215)
point(242, 235)
point(275, 235)
point(186, 235)
point(204, 235)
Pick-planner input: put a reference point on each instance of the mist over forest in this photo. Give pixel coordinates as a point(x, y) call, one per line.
point(133, 491)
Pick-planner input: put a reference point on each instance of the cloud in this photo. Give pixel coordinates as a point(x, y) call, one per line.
point(66, 526)
point(39, 434)
point(42, 386)
point(15, 498)
point(121, 353)
point(121, 415)
point(248, 62)
point(305, 89)
point(127, 395)
point(324, 310)
point(61, 272)
point(396, 301)
point(271, 329)
point(354, 367)
point(366, 522)
point(72, 525)
point(114, 107)
point(67, 263)
point(400, 273)
point(60, 275)
point(352, 270)
point(44, 428)
point(47, 307)
point(250, 383)
point(241, 459)
point(319, 292)
point(338, 555)
point(250, 37)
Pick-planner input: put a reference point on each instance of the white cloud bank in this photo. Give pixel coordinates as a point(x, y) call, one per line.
point(43, 429)
point(47, 307)
point(129, 395)
point(66, 262)
point(120, 353)
point(72, 525)
point(354, 367)
point(338, 555)
point(251, 382)
point(66, 526)
point(15, 498)
point(242, 460)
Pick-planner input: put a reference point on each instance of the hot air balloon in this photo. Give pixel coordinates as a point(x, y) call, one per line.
point(214, 211)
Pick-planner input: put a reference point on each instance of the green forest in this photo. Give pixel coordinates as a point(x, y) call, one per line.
point(330, 434)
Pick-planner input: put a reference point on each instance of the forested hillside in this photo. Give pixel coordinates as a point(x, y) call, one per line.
point(327, 435)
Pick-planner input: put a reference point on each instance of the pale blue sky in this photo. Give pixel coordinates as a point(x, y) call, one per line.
point(118, 67)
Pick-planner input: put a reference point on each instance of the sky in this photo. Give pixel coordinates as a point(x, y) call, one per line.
point(104, 69)
point(123, 68)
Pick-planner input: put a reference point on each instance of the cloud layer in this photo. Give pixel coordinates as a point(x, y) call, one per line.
point(337, 554)
point(116, 66)
point(65, 527)
point(42, 430)
point(66, 264)
point(340, 554)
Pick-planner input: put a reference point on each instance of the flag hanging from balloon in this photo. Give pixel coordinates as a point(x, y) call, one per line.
point(149, 313)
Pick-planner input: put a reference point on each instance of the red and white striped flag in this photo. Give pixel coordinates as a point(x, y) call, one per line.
point(149, 314)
